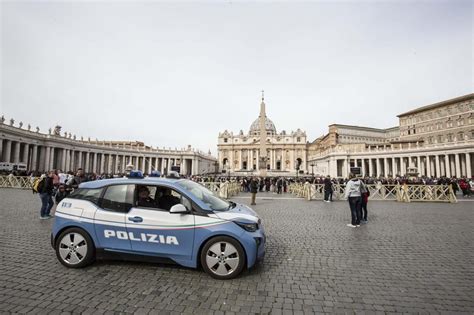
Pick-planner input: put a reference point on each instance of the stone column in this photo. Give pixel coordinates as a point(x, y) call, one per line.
point(47, 158)
point(251, 160)
point(123, 163)
point(379, 167)
point(34, 157)
point(79, 160)
point(403, 166)
point(102, 160)
point(16, 152)
point(371, 168)
point(72, 165)
point(438, 169)
point(62, 164)
point(26, 152)
point(42, 158)
point(453, 166)
point(87, 163)
point(8, 151)
point(1, 150)
point(240, 159)
point(51, 159)
point(149, 164)
point(385, 167)
point(394, 167)
point(162, 165)
point(68, 161)
point(94, 162)
point(109, 164)
point(447, 165)
point(428, 166)
point(468, 165)
point(458, 165)
point(463, 163)
point(363, 166)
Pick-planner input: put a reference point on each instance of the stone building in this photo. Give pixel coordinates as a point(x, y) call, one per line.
point(238, 154)
point(433, 140)
point(56, 150)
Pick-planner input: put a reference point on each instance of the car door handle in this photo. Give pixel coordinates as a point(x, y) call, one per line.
point(135, 219)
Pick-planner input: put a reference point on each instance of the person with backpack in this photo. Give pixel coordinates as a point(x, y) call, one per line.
point(353, 194)
point(45, 190)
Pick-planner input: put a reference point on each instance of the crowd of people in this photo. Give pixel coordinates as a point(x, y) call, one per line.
point(56, 185)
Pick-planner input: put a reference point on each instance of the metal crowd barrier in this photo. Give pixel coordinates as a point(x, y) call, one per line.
point(224, 190)
point(393, 192)
point(20, 182)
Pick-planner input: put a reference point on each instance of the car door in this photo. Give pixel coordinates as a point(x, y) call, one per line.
point(154, 230)
point(109, 219)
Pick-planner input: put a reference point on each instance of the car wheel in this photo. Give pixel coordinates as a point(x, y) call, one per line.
point(74, 248)
point(223, 257)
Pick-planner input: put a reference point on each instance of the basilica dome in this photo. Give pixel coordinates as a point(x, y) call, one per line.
point(269, 126)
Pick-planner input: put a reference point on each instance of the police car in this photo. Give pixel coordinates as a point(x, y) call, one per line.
point(157, 219)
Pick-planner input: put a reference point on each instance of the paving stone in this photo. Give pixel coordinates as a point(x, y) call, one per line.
point(410, 258)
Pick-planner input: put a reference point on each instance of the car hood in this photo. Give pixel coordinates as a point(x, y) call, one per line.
point(240, 212)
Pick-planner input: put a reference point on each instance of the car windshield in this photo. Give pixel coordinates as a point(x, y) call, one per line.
point(205, 195)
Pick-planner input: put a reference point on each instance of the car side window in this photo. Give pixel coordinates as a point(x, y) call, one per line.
point(159, 198)
point(145, 197)
point(118, 198)
point(91, 195)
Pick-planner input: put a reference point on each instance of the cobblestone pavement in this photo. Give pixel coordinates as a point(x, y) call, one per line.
point(414, 258)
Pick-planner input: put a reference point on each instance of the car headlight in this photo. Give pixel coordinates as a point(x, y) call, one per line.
point(249, 227)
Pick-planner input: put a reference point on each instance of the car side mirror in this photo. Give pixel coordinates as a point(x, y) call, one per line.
point(179, 208)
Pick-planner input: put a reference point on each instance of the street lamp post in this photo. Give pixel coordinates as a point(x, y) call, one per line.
point(312, 169)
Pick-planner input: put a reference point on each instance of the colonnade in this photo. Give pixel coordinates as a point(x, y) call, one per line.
point(455, 164)
point(41, 158)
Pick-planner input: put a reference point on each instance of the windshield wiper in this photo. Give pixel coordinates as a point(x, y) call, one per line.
point(231, 205)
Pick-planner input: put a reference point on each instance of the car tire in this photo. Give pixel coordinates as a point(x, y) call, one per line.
point(74, 248)
point(223, 257)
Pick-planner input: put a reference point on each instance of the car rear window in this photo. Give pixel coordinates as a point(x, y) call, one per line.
point(91, 195)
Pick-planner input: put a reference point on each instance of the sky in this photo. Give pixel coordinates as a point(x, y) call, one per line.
point(173, 73)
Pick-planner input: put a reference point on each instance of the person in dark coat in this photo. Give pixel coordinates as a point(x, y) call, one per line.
point(254, 190)
point(328, 189)
point(45, 190)
point(61, 193)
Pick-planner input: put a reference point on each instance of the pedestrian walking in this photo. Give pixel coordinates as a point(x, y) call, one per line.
point(45, 190)
point(279, 185)
point(365, 193)
point(353, 194)
point(328, 189)
point(253, 190)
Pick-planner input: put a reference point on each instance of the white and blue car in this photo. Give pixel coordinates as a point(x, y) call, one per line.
point(157, 219)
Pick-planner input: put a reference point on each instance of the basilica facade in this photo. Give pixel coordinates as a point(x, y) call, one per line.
point(239, 154)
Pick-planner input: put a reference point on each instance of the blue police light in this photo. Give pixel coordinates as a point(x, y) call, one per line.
point(135, 174)
point(155, 174)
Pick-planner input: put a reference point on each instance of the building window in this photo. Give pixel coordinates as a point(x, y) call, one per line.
point(440, 139)
point(298, 139)
point(225, 140)
point(460, 136)
point(450, 138)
